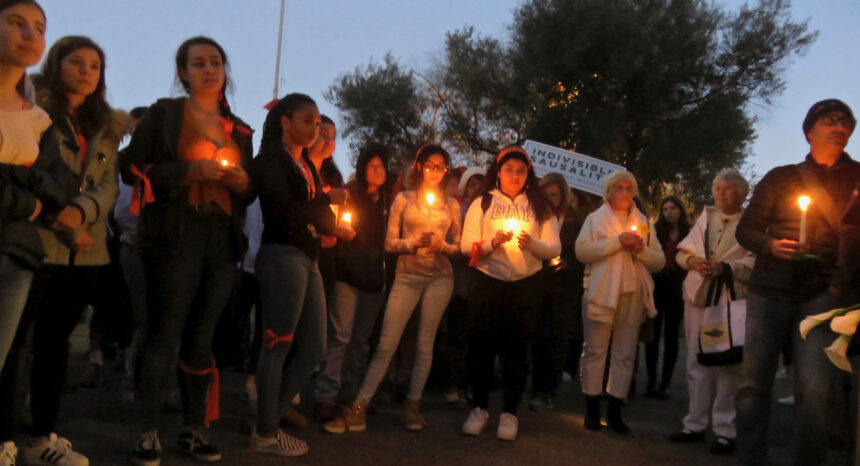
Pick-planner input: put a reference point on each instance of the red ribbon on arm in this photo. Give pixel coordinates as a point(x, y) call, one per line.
point(477, 253)
point(142, 182)
point(273, 339)
point(213, 401)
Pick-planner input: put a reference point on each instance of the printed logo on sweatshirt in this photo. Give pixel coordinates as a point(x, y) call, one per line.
point(521, 213)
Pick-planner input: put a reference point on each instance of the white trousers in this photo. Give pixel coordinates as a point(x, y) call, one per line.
point(625, 338)
point(701, 381)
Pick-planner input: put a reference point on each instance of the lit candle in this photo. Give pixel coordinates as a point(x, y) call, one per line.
point(803, 202)
point(430, 199)
point(634, 229)
point(512, 225)
point(346, 220)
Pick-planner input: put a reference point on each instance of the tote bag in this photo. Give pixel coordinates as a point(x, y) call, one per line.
point(721, 338)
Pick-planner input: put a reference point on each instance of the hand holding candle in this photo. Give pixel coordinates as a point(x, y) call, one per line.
point(346, 220)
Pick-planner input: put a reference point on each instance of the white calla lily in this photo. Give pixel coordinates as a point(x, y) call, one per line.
point(836, 352)
point(809, 323)
point(846, 324)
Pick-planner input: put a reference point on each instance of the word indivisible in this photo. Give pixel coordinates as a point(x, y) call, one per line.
point(563, 163)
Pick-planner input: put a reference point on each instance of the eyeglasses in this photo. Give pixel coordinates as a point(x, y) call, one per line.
point(833, 119)
point(432, 167)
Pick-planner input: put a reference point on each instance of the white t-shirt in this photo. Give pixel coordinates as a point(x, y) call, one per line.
point(20, 132)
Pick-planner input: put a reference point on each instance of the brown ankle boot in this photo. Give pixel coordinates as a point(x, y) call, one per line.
point(412, 418)
point(354, 420)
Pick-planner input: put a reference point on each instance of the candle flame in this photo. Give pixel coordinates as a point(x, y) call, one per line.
point(223, 162)
point(430, 198)
point(512, 225)
point(633, 229)
point(803, 202)
point(347, 217)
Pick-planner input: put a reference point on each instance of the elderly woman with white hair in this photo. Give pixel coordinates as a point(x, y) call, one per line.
point(708, 248)
point(621, 251)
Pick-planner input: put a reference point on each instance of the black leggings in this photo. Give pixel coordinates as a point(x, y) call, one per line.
point(503, 316)
point(670, 311)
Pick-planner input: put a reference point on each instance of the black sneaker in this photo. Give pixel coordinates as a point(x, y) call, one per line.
point(195, 442)
point(687, 436)
point(148, 450)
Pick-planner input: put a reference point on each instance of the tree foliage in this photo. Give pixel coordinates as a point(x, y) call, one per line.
point(666, 88)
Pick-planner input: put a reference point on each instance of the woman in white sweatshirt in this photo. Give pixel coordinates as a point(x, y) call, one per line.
point(621, 251)
point(508, 231)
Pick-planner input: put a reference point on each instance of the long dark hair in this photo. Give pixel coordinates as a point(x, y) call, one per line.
point(416, 176)
point(532, 188)
point(94, 114)
point(182, 64)
point(663, 227)
point(367, 153)
point(273, 132)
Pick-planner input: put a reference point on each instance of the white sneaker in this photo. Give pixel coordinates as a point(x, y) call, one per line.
point(281, 444)
point(8, 453)
point(507, 429)
point(786, 400)
point(57, 451)
point(476, 422)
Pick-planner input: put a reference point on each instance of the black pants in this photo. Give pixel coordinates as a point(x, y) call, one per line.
point(57, 299)
point(187, 290)
point(552, 339)
point(670, 311)
point(504, 315)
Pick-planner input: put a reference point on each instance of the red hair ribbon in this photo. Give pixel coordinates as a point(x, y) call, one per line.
point(271, 104)
point(213, 401)
point(142, 182)
point(512, 149)
point(273, 339)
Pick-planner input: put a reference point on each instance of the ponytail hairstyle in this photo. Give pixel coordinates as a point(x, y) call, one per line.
point(95, 113)
point(416, 175)
point(182, 64)
point(273, 132)
point(531, 189)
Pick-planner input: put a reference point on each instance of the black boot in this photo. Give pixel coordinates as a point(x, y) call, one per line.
point(592, 412)
point(614, 416)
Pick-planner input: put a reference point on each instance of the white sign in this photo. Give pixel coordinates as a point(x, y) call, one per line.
point(581, 171)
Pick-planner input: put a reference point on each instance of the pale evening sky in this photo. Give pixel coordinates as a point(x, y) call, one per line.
point(324, 39)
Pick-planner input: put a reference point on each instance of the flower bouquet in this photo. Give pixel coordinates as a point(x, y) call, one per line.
point(844, 322)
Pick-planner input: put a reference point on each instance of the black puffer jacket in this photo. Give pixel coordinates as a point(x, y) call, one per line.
point(50, 181)
point(773, 214)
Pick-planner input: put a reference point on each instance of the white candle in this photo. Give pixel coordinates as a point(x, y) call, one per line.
point(346, 220)
point(430, 199)
point(512, 225)
point(803, 202)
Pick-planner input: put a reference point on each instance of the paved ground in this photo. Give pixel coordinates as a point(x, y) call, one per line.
point(102, 426)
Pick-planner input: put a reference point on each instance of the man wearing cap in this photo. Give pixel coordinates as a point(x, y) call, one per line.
point(791, 280)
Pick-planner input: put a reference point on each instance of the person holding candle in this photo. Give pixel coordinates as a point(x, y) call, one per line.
point(705, 251)
point(360, 289)
point(509, 231)
point(190, 238)
point(618, 295)
point(791, 280)
point(560, 319)
point(424, 228)
point(295, 213)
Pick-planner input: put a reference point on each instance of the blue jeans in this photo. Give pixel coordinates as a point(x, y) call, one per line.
point(293, 299)
point(15, 280)
point(351, 319)
point(769, 323)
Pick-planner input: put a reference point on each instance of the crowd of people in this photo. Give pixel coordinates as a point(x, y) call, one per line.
point(274, 263)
